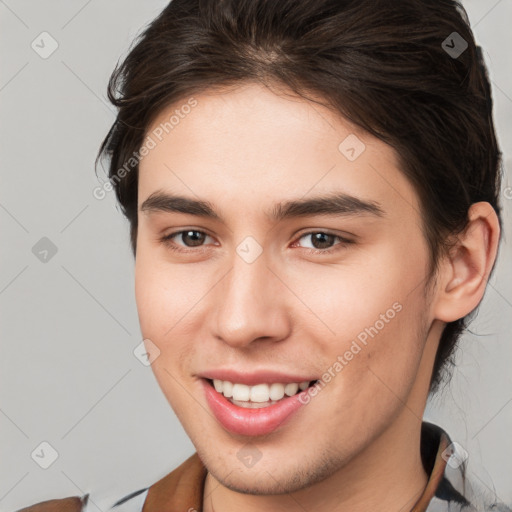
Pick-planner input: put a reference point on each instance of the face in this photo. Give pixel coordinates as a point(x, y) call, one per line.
point(328, 291)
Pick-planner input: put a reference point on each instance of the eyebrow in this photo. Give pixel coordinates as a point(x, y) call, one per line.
point(331, 204)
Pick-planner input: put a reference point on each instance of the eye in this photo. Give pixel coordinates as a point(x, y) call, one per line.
point(322, 242)
point(194, 236)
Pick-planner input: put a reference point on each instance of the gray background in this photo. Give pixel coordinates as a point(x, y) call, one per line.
point(69, 325)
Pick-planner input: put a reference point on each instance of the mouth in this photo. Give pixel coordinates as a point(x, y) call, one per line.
point(251, 417)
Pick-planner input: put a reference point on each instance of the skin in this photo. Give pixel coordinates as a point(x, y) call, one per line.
point(355, 446)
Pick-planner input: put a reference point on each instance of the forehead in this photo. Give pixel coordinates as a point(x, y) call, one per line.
point(247, 146)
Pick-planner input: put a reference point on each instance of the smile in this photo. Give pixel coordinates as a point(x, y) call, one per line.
point(239, 414)
point(260, 395)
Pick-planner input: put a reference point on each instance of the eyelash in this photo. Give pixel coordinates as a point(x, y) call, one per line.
point(166, 240)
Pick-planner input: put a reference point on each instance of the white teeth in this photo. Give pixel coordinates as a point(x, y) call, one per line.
point(276, 391)
point(227, 389)
point(241, 392)
point(259, 393)
point(291, 388)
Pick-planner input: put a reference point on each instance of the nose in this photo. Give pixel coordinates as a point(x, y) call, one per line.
point(252, 305)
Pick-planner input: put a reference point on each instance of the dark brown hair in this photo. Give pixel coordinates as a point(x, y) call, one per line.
point(385, 66)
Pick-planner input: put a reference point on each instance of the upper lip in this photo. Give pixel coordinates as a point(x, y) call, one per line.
point(254, 377)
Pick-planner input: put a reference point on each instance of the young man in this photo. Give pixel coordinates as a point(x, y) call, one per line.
point(312, 188)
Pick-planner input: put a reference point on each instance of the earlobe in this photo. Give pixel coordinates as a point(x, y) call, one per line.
point(468, 264)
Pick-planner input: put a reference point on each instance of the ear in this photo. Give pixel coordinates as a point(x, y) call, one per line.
point(464, 271)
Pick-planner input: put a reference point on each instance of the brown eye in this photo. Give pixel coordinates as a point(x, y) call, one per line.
point(324, 243)
point(196, 237)
point(321, 240)
point(189, 238)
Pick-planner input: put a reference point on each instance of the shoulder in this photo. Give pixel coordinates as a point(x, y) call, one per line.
point(187, 480)
point(71, 504)
point(131, 502)
point(454, 490)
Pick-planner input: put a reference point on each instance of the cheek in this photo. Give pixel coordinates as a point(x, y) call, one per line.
point(162, 304)
point(376, 314)
point(169, 301)
point(368, 292)
point(147, 296)
point(163, 295)
point(386, 364)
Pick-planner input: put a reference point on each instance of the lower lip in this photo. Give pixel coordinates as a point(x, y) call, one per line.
point(251, 422)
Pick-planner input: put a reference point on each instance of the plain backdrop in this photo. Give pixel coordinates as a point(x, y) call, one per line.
point(69, 323)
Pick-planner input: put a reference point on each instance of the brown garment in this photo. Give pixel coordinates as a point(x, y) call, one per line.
point(74, 504)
